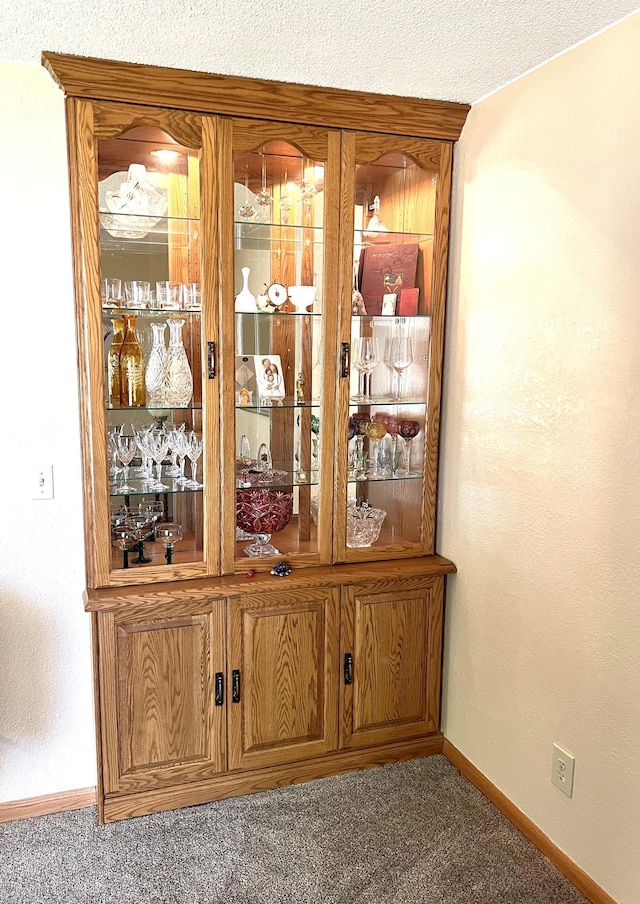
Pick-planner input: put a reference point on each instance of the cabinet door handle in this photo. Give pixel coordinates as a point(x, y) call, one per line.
point(219, 692)
point(344, 359)
point(235, 686)
point(348, 668)
point(211, 360)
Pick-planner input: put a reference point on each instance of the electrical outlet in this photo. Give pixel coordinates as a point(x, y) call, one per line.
point(562, 770)
point(42, 482)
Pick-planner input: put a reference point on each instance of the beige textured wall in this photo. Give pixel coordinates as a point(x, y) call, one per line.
point(540, 472)
point(46, 714)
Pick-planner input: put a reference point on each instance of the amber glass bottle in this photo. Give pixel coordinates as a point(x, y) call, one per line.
point(113, 361)
point(132, 389)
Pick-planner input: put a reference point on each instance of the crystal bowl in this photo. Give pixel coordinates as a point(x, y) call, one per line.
point(363, 525)
point(263, 511)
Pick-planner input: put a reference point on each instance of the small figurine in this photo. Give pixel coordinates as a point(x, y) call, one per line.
point(244, 397)
point(300, 390)
point(281, 570)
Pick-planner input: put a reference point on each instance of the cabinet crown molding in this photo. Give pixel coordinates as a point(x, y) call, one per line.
point(110, 80)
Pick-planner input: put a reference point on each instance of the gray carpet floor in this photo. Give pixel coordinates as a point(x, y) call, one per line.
point(410, 833)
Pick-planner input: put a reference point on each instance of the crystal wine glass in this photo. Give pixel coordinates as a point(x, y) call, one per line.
point(140, 526)
point(194, 451)
point(124, 540)
point(140, 431)
point(365, 360)
point(178, 444)
point(175, 432)
point(374, 431)
point(112, 450)
point(169, 534)
point(157, 444)
point(127, 448)
point(407, 429)
point(400, 358)
point(360, 421)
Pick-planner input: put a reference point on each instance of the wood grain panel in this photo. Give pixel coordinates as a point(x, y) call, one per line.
point(249, 135)
point(370, 148)
point(285, 646)
point(46, 804)
point(86, 244)
point(185, 128)
point(160, 724)
point(345, 288)
point(387, 634)
point(163, 692)
point(178, 594)
point(208, 93)
point(441, 251)
point(210, 277)
point(124, 806)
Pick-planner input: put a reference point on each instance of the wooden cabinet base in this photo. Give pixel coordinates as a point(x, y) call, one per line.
point(142, 803)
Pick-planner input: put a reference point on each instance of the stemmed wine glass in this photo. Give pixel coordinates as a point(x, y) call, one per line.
point(156, 444)
point(194, 451)
point(112, 450)
point(124, 540)
point(365, 360)
point(140, 526)
point(127, 448)
point(175, 432)
point(374, 431)
point(169, 534)
point(407, 430)
point(400, 358)
point(179, 446)
point(360, 421)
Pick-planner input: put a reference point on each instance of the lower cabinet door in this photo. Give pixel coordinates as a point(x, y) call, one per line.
point(391, 649)
point(162, 717)
point(284, 670)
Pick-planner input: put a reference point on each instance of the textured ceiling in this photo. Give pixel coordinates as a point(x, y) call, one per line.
point(451, 50)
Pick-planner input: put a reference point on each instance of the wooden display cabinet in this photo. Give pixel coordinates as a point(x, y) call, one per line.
point(267, 420)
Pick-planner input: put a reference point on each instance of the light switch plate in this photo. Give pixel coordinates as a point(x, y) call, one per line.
point(42, 482)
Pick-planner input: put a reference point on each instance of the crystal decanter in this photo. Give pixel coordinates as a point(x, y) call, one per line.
point(156, 367)
point(178, 379)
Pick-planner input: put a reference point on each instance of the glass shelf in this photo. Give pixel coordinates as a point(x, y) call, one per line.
point(110, 407)
point(392, 238)
point(114, 312)
point(295, 228)
point(137, 217)
point(280, 403)
point(173, 489)
point(387, 478)
point(276, 313)
point(387, 401)
point(289, 480)
point(390, 318)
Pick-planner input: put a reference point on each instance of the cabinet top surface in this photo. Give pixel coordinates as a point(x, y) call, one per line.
point(239, 585)
point(109, 80)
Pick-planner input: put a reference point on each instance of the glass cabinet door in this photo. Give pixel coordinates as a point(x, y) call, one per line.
point(151, 438)
point(280, 275)
point(386, 481)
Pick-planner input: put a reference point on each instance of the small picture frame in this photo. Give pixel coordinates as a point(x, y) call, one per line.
point(389, 304)
point(269, 378)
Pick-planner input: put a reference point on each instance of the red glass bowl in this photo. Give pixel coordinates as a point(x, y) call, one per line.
point(263, 511)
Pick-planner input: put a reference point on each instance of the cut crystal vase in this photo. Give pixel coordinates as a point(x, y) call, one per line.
point(178, 379)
